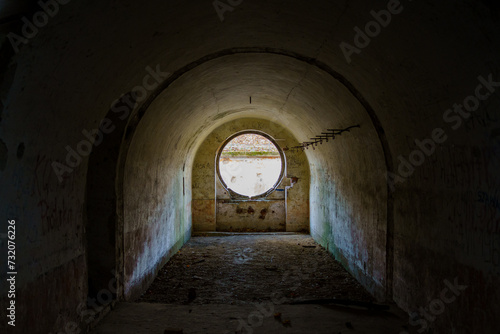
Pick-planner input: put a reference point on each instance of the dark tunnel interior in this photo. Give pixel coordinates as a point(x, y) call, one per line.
point(385, 119)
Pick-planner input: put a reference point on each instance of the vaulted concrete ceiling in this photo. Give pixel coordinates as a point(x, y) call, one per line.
point(287, 56)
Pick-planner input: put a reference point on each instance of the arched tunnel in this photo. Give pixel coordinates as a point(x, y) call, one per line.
point(112, 114)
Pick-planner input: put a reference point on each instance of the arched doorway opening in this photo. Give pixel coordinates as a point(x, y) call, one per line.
point(270, 205)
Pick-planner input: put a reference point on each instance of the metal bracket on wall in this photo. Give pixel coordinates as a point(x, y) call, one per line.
point(324, 136)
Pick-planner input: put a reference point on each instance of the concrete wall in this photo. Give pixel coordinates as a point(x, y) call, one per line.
point(212, 206)
point(439, 223)
point(157, 201)
point(252, 216)
point(349, 206)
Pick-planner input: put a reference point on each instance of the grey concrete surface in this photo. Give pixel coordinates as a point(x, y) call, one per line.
point(160, 77)
point(138, 318)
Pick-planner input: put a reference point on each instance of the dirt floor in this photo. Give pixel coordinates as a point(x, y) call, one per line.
point(243, 269)
point(252, 284)
point(154, 318)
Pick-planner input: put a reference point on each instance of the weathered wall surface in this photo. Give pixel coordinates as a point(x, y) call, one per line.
point(451, 242)
point(157, 201)
point(251, 216)
point(348, 195)
point(439, 223)
point(225, 215)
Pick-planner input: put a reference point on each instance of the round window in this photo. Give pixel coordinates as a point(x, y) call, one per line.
point(250, 164)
